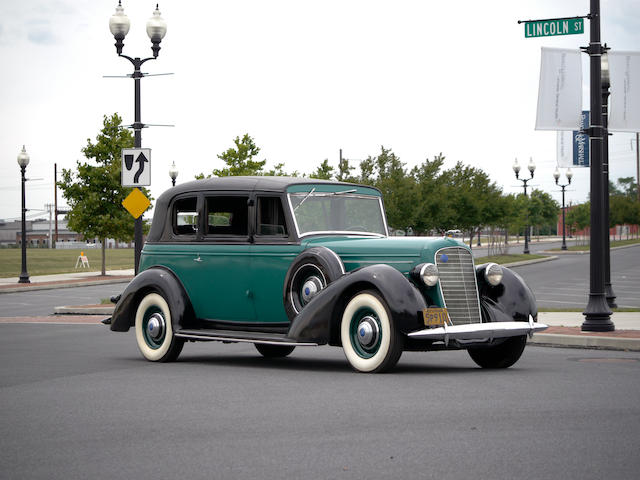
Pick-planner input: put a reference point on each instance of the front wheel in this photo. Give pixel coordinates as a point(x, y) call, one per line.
point(369, 338)
point(499, 356)
point(154, 332)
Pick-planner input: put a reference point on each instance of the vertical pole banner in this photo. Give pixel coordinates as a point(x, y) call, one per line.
point(624, 70)
point(572, 148)
point(560, 90)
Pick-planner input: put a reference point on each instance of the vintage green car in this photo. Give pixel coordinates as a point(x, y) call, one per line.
point(285, 262)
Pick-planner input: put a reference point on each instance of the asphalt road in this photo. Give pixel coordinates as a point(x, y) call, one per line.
point(80, 402)
point(565, 282)
point(42, 302)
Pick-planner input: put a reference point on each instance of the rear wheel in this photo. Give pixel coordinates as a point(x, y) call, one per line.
point(274, 351)
point(369, 338)
point(154, 333)
point(499, 356)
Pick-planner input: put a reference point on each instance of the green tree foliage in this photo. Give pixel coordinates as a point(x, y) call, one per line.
point(543, 209)
point(578, 217)
point(94, 192)
point(324, 171)
point(239, 160)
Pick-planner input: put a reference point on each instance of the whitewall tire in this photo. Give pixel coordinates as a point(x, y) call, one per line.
point(154, 332)
point(369, 338)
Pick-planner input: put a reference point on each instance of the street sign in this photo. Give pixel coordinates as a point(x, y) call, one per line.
point(550, 28)
point(136, 167)
point(136, 203)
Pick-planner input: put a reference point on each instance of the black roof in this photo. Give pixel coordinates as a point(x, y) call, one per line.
point(262, 183)
point(225, 184)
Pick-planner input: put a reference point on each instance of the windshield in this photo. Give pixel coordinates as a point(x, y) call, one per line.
point(337, 212)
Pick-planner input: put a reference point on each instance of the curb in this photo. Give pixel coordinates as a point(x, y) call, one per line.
point(585, 252)
point(606, 343)
point(84, 310)
point(529, 262)
point(64, 285)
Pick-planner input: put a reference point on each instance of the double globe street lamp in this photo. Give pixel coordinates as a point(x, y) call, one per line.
point(556, 176)
point(516, 169)
point(156, 29)
point(23, 161)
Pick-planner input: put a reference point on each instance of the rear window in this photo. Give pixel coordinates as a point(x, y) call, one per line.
point(185, 216)
point(227, 215)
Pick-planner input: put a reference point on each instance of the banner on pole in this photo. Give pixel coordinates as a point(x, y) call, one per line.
point(624, 70)
point(560, 90)
point(572, 148)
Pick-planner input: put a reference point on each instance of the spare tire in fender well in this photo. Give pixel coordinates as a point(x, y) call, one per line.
point(159, 279)
point(324, 261)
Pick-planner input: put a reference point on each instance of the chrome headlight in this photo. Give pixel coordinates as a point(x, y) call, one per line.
point(426, 273)
point(493, 274)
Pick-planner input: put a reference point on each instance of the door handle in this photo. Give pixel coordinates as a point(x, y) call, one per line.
point(197, 259)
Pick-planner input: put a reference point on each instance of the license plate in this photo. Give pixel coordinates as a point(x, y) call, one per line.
point(435, 316)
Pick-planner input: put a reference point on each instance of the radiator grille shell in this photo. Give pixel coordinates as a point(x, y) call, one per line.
point(458, 285)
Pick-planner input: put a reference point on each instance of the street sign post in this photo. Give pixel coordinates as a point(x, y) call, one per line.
point(136, 167)
point(553, 27)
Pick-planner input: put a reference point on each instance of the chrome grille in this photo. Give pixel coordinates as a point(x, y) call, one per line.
point(458, 285)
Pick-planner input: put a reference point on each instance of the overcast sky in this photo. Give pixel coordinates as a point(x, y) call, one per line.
point(303, 78)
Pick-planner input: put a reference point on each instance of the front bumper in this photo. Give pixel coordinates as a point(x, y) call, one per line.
point(479, 331)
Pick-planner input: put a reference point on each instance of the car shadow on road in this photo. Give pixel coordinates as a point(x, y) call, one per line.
point(313, 364)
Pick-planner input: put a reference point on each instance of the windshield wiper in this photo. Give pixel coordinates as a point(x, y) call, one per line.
point(345, 191)
point(305, 198)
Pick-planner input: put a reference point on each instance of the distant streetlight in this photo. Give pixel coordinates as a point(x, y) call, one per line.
point(23, 161)
point(173, 173)
point(556, 176)
point(156, 29)
point(516, 169)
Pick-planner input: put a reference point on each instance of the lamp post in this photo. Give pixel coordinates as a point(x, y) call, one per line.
point(516, 169)
point(569, 175)
point(173, 173)
point(23, 161)
point(156, 29)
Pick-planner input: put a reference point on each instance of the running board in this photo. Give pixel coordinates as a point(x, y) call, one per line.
point(241, 336)
point(478, 331)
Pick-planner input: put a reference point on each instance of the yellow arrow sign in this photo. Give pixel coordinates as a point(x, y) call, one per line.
point(136, 203)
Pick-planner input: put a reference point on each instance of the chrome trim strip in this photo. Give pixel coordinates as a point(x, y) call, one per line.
point(477, 331)
point(244, 340)
point(339, 260)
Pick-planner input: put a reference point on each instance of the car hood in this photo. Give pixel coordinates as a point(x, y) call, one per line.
point(403, 253)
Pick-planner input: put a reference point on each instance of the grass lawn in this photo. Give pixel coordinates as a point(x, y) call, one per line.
point(613, 243)
point(44, 261)
point(499, 259)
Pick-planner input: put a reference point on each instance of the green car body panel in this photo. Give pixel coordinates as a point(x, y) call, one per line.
point(245, 282)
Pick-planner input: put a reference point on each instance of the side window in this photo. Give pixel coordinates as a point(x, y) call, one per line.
point(271, 220)
point(185, 216)
point(227, 215)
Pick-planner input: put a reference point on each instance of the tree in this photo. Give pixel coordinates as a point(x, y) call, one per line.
point(94, 192)
point(543, 209)
point(324, 171)
point(239, 160)
point(579, 216)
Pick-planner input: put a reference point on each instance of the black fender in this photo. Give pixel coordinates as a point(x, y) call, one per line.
point(166, 283)
point(323, 258)
point(319, 322)
point(510, 301)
